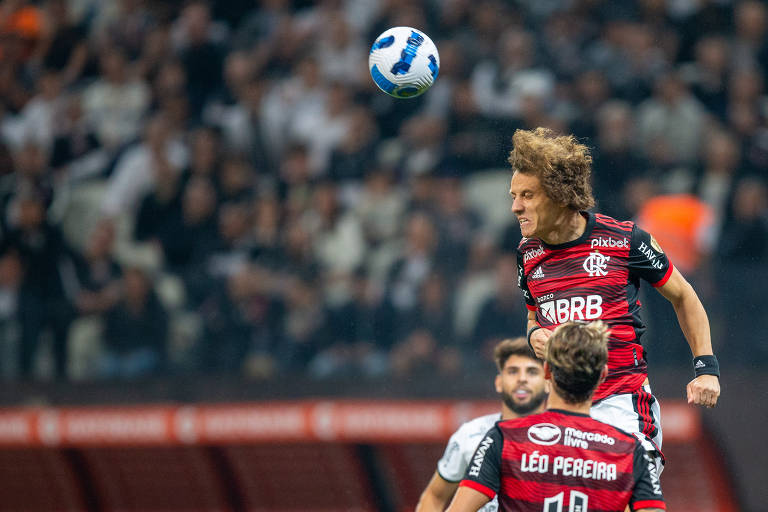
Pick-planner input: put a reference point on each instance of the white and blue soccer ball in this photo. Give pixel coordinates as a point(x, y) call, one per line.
point(404, 62)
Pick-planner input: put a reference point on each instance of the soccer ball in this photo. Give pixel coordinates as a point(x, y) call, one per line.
point(404, 62)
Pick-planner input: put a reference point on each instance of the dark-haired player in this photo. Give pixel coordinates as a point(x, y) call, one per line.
point(562, 459)
point(522, 387)
point(577, 265)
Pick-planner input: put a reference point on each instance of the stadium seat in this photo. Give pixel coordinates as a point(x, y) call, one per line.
point(38, 480)
point(317, 477)
point(407, 469)
point(155, 479)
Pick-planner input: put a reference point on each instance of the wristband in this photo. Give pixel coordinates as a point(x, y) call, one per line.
point(706, 365)
point(528, 336)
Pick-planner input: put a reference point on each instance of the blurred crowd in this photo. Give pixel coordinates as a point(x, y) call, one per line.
point(219, 187)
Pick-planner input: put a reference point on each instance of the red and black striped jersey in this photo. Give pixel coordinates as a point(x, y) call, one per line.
point(560, 461)
point(597, 276)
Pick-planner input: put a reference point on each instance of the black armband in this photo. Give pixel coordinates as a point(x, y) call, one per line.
point(528, 336)
point(706, 365)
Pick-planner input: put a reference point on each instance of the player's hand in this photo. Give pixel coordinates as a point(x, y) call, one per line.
point(539, 341)
point(703, 390)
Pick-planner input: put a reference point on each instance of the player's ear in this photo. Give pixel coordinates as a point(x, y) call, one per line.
point(547, 371)
point(497, 383)
point(603, 375)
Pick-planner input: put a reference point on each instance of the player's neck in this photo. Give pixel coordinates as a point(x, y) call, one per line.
point(556, 402)
point(509, 414)
point(568, 226)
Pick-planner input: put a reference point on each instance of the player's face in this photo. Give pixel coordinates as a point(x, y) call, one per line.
point(521, 384)
point(535, 211)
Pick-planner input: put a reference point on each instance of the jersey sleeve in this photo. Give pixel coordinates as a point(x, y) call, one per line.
point(522, 283)
point(484, 471)
point(647, 490)
point(452, 464)
point(647, 260)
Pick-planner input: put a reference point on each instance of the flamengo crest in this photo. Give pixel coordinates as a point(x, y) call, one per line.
point(595, 264)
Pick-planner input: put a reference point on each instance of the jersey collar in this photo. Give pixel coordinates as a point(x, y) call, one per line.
point(587, 233)
point(569, 413)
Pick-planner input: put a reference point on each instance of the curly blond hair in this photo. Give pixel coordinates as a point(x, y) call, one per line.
point(577, 353)
point(562, 165)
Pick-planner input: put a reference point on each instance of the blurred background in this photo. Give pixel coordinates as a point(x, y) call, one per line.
point(211, 203)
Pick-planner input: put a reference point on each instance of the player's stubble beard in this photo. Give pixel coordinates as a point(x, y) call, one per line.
point(524, 408)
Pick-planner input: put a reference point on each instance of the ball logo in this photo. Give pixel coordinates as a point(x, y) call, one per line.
point(544, 433)
point(595, 264)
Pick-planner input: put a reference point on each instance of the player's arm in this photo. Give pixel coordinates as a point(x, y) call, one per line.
point(648, 261)
point(468, 500)
point(483, 478)
point(437, 495)
point(538, 337)
point(704, 389)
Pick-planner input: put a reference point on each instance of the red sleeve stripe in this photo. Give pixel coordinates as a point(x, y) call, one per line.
point(663, 280)
point(479, 488)
point(530, 308)
point(649, 504)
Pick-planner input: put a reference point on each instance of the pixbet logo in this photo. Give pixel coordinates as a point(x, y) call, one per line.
point(576, 308)
point(609, 242)
point(595, 264)
point(529, 255)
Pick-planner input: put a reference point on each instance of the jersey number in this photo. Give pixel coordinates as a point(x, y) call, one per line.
point(578, 502)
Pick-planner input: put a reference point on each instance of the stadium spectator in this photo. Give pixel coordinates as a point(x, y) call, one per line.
point(456, 224)
point(43, 304)
point(670, 123)
point(135, 331)
point(615, 159)
point(417, 261)
point(137, 168)
point(380, 207)
point(116, 102)
point(498, 315)
point(720, 169)
point(94, 278)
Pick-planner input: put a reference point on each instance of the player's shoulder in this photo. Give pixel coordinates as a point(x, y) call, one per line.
point(477, 427)
point(528, 243)
point(607, 222)
point(528, 249)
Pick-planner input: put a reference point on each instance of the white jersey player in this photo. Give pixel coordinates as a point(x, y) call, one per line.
point(522, 388)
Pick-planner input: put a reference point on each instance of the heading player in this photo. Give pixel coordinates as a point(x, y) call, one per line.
point(522, 387)
point(562, 459)
point(577, 265)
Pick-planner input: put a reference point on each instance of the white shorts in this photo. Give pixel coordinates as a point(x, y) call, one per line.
point(637, 413)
